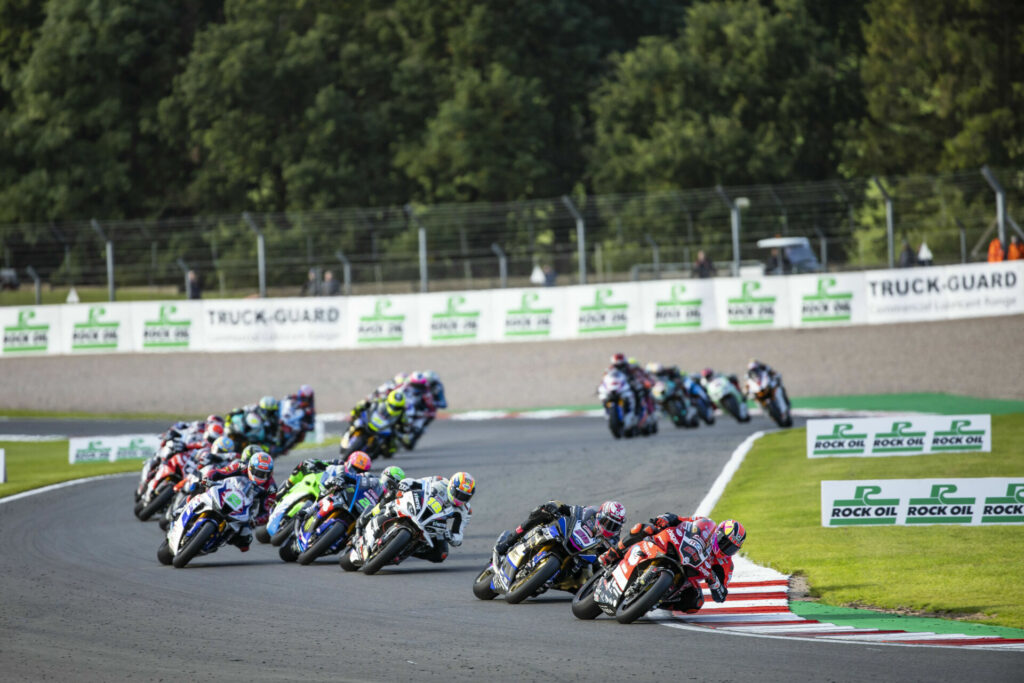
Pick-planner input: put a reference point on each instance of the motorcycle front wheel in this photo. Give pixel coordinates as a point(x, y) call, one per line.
point(531, 583)
point(159, 501)
point(639, 604)
point(482, 586)
point(195, 544)
point(389, 552)
point(323, 544)
point(583, 604)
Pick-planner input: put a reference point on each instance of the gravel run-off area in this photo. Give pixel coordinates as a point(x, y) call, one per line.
point(975, 357)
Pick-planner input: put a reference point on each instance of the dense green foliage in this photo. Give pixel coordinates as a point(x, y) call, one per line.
point(133, 109)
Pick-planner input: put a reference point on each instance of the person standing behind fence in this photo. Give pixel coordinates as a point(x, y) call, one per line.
point(1015, 252)
point(995, 251)
point(907, 257)
point(312, 286)
point(194, 289)
point(924, 255)
point(331, 286)
point(703, 266)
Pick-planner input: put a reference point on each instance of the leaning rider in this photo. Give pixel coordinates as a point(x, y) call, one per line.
point(260, 472)
point(608, 520)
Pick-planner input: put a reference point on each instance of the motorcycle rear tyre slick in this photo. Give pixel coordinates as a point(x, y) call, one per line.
point(261, 534)
point(645, 602)
point(615, 425)
point(389, 552)
point(323, 544)
point(541, 574)
point(730, 406)
point(158, 503)
point(482, 586)
point(283, 532)
point(164, 554)
point(195, 544)
point(287, 553)
point(345, 562)
point(583, 604)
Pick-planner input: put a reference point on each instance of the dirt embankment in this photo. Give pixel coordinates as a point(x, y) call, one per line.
point(979, 357)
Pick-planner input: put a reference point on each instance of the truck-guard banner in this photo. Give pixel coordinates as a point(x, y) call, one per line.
point(898, 435)
point(918, 502)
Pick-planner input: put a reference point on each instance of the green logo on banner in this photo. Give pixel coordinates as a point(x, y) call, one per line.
point(899, 440)
point(94, 451)
point(840, 441)
point(381, 327)
point(527, 321)
point(165, 332)
point(677, 312)
point(825, 306)
point(1008, 508)
point(940, 507)
point(748, 309)
point(94, 333)
point(136, 448)
point(24, 336)
point(602, 316)
point(958, 438)
point(864, 508)
point(453, 323)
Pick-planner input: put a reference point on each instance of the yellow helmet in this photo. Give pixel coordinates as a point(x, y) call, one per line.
point(396, 401)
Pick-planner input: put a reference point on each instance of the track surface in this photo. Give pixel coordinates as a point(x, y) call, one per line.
point(82, 596)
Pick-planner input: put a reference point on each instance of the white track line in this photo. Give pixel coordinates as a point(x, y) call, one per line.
point(63, 484)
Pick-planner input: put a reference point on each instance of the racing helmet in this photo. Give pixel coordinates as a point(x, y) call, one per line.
point(619, 361)
point(400, 378)
point(253, 421)
point(305, 393)
point(213, 432)
point(359, 462)
point(729, 537)
point(707, 374)
point(224, 444)
point(269, 404)
point(396, 402)
point(261, 467)
point(251, 450)
point(610, 518)
point(419, 379)
point(391, 476)
point(214, 419)
point(173, 446)
point(655, 368)
point(461, 487)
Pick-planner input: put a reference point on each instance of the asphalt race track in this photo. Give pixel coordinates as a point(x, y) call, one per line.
point(82, 596)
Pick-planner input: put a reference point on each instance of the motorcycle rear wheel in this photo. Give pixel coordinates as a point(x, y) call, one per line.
point(261, 534)
point(163, 553)
point(195, 544)
point(640, 604)
point(283, 532)
point(287, 553)
point(345, 562)
point(158, 503)
point(583, 604)
point(323, 544)
point(482, 586)
point(389, 552)
point(531, 583)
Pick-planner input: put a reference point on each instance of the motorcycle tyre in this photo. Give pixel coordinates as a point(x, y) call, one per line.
point(345, 562)
point(195, 544)
point(482, 586)
point(541, 574)
point(287, 552)
point(323, 544)
point(158, 503)
point(615, 425)
point(583, 604)
point(388, 553)
point(645, 602)
point(164, 554)
point(730, 406)
point(261, 534)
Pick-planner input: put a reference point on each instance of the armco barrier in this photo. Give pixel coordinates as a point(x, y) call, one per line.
point(662, 306)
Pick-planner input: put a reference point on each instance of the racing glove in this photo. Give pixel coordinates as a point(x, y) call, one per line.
point(718, 592)
point(610, 557)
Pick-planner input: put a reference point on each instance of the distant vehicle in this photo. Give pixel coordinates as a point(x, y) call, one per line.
point(798, 257)
point(9, 279)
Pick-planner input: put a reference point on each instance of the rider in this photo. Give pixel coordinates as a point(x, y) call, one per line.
point(436, 389)
point(756, 367)
point(356, 463)
point(724, 541)
point(608, 520)
point(385, 416)
point(269, 408)
point(420, 408)
point(260, 472)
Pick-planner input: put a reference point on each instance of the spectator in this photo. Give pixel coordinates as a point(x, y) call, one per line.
point(777, 263)
point(703, 266)
point(995, 251)
point(907, 257)
point(1016, 250)
point(312, 286)
point(194, 289)
point(550, 276)
point(331, 286)
point(924, 255)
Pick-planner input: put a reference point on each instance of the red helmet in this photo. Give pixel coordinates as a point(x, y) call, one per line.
point(214, 419)
point(358, 462)
point(729, 537)
point(610, 518)
point(707, 373)
point(213, 432)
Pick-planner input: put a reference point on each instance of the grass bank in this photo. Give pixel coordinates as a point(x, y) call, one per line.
point(31, 465)
point(976, 573)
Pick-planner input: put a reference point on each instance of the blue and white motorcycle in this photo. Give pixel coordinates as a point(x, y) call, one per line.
point(325, 527)
point(559, 555)
point(207, 521)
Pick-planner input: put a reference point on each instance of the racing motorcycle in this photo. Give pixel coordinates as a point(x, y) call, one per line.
point(672, 399)
point(771, 395)
point(369, 433)
point(699, 399)
point(655, 570)
point(726, 395)
point(292, 499)
point(414, 423)
point(552, 555)
point(619, 403)
point(207, 522)
point(326, 527)
point(292, 432)
point(160, 489)
point(416, 520)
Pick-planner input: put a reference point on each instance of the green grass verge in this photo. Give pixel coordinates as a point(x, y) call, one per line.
point(975, 572)
point(58, 295)
point(942, 404)
point(171, 418)
point(31, 465)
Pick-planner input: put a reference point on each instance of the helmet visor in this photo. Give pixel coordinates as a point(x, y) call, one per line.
point(461, 497)
point(608, 526)
point(726, 546)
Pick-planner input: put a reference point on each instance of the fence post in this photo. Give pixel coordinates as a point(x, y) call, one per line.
point(502, 264)
point(581, 238)
point(424, 285)
point(782, 208)
point(184, 271)
point(888, 219)
point(37, 284)
point(656, 256)
point(261, 253)
point(346, 272)
point(963, 240)
point(110, 257)
point(823, 248)
point(734, 216)
point(1000, 202)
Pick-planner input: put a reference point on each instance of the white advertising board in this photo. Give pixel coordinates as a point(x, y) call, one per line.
point(899, 435)
point(272, 324)
point(112, 448)
point(30, 330)
point(455, 317)
point(604, 310)
point(830, 299)
point(751, 303)
point(530, 314)
point(917, 502)
point(167, 326)
point(97, 328)
point(678, 305)
point(382, 321)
